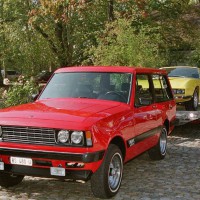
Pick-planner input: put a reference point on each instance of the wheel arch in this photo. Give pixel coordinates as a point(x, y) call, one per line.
point(118, 141)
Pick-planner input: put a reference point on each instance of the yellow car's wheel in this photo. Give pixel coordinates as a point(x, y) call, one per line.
point(193, 103)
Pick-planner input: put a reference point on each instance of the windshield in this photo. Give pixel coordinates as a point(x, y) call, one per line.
point(183, 72)
point(93, 85)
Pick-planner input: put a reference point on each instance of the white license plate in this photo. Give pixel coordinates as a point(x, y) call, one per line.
point(21, 161)
point(57, 171)
point(1, 166)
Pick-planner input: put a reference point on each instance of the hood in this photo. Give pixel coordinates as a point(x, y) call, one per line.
point(57, 112)
point(178, 82)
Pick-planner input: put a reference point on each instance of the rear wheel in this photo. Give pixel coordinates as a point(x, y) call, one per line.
point(158, 152)
point(106, 181)
point(193, 103)
point(9, 180)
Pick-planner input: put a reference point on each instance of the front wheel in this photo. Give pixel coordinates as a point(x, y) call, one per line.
point(158, 152)
point(192, 105)
point(106, 181)
point(9, 180)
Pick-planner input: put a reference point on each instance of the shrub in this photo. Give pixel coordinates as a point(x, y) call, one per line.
point(195, 55)
point(20, 93)
point(122, 45)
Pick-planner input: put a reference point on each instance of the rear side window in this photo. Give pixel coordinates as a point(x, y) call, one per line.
point(161, 88)
point(143, 94)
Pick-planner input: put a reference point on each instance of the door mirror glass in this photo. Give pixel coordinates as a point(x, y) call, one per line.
point(144, 101)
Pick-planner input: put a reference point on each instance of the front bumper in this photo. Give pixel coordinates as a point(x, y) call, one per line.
point(86, 157)
point(45, 172)
point(75, 166)
point(182, 99)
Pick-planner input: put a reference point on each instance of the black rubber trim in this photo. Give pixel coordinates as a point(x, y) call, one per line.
point(86, 158)
point(41, 172)
point(187, 97)
point(143, 136)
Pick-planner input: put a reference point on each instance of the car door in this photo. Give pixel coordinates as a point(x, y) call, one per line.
point(145, 117)
point(165, 105)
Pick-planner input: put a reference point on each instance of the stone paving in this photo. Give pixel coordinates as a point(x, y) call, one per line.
point(177, 177)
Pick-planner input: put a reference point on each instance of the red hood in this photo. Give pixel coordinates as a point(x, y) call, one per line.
point(58, 113)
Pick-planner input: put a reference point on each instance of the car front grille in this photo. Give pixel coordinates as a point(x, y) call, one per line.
point(28, 135)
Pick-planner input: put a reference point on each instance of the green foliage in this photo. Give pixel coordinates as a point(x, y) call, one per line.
point(195, 55)
point(174, 20)
point(20, 93)
point(123, 45)
point(21, 47)
point(69, 27)
point(49, 34)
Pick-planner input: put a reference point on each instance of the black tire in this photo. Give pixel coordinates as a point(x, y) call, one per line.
point(158, 152)
point(192, 105)
point(106, 181)
point(9, 180)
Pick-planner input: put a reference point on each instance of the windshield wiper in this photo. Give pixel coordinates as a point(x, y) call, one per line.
point(83, 97)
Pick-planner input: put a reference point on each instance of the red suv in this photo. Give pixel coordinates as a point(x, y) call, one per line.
point(85, 124)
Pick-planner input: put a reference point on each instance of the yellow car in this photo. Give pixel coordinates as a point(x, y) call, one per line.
point(185, 82)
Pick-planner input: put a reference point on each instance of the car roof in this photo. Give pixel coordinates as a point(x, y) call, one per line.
point(110, 69)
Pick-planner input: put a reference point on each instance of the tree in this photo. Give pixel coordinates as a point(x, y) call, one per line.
point(129, 48)
point(168, 19)
point(69, 26)
point(21, 47)
point(38, 34)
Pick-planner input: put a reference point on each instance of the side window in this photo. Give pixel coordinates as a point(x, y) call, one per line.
point(161, 88)
point(143, 94)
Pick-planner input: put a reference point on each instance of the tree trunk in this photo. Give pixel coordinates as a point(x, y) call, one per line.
point(110, 10)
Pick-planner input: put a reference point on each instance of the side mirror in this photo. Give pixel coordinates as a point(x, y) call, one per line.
point(34, 97)
point(144, 101)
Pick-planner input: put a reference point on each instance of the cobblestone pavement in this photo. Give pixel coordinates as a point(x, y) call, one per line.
point(175, 177)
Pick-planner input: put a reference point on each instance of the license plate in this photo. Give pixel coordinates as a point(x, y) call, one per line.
point(57, 171)
point(21, 161)
point(1, 166)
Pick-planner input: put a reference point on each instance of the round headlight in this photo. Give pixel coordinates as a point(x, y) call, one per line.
point(77, 137)
point(63, 136)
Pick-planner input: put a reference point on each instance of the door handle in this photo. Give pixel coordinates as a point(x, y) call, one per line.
point(145, 117)
point(150, 117)
point(154, 106)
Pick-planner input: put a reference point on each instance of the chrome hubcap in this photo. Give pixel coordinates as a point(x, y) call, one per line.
point(115, 172)
point(163, 141)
